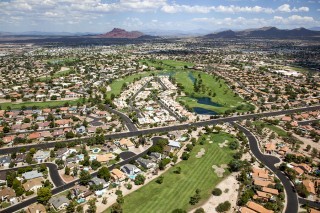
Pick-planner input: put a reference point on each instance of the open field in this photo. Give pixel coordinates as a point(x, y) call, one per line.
point(176, 189)
point(46, 104)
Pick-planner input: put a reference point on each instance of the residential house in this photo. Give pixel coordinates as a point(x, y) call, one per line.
point(41, 156)
point(309, 186)
point(145, 163)
point(105, 157)
point(7, 193)
point(125, 143)
point(33, 184)
point(31, 175)
point(99, 181)
point(130, 170)
point(257, 207)
point(117, 175)
point(5, 161)
point(36, 208)
point(63, 152)
point(59, 202)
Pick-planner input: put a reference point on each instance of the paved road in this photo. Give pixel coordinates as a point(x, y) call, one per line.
point(307, 122)
point(130, 125)
point(126, 155)
point(53, 172)
point(167, 129)
point(269, 161)
point(69, 185)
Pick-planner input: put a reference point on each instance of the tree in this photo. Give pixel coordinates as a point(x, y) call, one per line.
point(314, 152)
point(195, 198)
point(199, 210)
point(234, 145)
point(79, 209)
point(116, 208)
point(92, 206)
point(71, 207)
point(104, 173)
point(185, 156)
point(95, 164)
point(302, 190)
point(235, 165)
point(163, 163)
point(223, 207)
point(84, 178)
point(139, 180)
point(189, 147)
point(178, 170)
point(11, 175)
point(44, 195)
point(160, 179)
point(67, 170)
point(308, 148)
point(17, 187)
point(216, 192)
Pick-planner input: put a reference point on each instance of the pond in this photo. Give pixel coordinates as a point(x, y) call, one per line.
point(203, 111)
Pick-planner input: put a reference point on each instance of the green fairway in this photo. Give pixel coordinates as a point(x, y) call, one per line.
point(46, 104)
point(117, 83)
point(213, 88)
point(176, 189)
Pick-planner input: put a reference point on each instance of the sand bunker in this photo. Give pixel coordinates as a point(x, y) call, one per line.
point(219, 170)
point(224, 144)
point(200, 153)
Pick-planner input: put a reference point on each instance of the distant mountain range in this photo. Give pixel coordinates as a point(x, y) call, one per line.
point(121, 33)
point(266, 32)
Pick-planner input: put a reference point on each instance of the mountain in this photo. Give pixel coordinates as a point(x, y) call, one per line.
point(121, 33)
point(315, 28)
point(265, 32)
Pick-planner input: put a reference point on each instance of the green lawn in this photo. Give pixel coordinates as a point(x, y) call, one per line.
point(46, 104)
point(176, 189)
point(223, 94)
point(117, 83)
point(279, 131)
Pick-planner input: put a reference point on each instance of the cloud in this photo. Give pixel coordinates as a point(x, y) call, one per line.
point(175, 8)
point(287, 9)
point(241, 22)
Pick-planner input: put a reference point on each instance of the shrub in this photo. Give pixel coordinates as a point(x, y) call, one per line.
point(223, 207)
point(217, 192)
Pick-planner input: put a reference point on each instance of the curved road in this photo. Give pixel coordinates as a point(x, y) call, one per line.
point(164, 129)
point(269, 161)
point(69, 185)
point(53, 172)
point(130, 125)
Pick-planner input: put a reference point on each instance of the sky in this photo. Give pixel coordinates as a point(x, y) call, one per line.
point(157, 15)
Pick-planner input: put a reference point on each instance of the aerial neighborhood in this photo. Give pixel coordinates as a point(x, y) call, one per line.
point(195, 124)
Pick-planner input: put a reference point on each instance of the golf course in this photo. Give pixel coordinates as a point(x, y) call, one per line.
point(176, 189)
